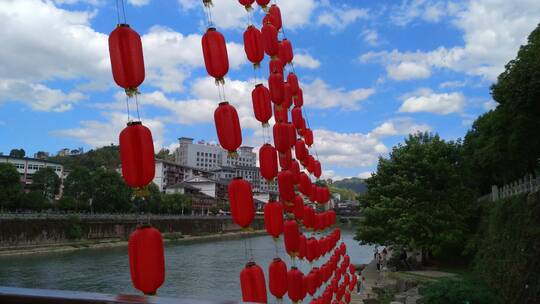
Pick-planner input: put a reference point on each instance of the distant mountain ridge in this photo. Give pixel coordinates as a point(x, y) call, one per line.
point(355, 184)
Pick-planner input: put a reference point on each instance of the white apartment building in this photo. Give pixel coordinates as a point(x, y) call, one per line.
point(27, 167)
point(170, 173)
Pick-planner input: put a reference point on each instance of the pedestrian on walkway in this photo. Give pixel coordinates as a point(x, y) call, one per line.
point(359, 283)
point(403, 258)
point(378, 260)
point(375, 252)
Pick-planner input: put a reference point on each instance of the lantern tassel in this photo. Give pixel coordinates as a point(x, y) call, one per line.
point(232, 154)
point(249, 8)
point(208, 3)
point(130, 92)
point(265, 8)
point(256, 65)
point(220, 81)
point(265, 125)
point(142, 192)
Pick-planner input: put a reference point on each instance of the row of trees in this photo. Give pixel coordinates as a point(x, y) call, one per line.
point(100, 190)
point(424, 194)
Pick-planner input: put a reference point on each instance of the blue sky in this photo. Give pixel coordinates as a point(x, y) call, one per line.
point(371, 71)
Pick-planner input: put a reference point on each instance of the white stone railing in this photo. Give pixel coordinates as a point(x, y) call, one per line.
point(527, 184)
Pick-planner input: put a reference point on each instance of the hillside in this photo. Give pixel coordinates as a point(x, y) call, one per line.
point(108, 157)
point(355, 184)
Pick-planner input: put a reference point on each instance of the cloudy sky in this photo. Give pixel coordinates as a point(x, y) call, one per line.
point(371, 71)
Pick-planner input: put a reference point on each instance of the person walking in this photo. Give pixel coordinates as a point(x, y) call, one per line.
point(375, 252)
point(378, 260)
point(403, 258)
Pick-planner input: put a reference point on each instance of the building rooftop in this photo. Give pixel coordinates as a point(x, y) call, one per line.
point(30, 159)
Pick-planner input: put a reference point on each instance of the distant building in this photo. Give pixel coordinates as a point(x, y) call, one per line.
point(27, 167)
point(170, 173)
point(70, 152)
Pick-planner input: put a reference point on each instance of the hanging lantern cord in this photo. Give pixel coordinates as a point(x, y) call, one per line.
point(127, 106)
point(123, 11)
point(208, 11)
point(137, 107)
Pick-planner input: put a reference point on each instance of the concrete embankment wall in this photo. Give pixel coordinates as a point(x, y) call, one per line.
point(54, 229)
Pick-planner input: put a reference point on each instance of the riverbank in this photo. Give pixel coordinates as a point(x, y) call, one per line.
point(175, 238)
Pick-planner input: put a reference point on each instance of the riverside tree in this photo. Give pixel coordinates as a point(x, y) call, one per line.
point(47, 182)
point(418, 198)
point(10, 186)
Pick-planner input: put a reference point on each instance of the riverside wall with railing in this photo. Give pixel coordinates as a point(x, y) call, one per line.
point(29, 229)
point(527, 184)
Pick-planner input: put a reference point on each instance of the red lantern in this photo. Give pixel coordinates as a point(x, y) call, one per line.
point(281, 114)
point(302, 247)
point(262, 107)
point(310, 164)
point(295, 169)
point(276, 85)
point(352, 270)
point(285, 161)
point(270, 36)
point(298, 207)
point(291, 237)
point(295, 88)
point(309, 215)
point(325, 195)
point(292, 134)
point(305, 184)
point(263, 3)
point(273, 218)
point(314, 193)
point(277, 275)
point(137, 155)
point(216, 59)
point(281, 138)
point(311, 281)
point(146, 259)
point(317, 169)
point(311, 249)
point(254, 44)
point(253, 284)
point(268, 162)
point(296, 117)
point(287, 96)
point(228, 127)
point(275, 12)
point(241, 201)
point(327, 297)
point(308, 137)
point(247, 4)
point(286, 185)
point(127, 60)
point(295, 282)
point(300, 150)
point(347, 298)
point(286, 51)
point(299, 97)
point(275, 65)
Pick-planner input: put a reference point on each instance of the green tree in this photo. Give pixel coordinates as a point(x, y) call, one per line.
point(10, 186)
point(111, 194)
point(503, 144)
point(165, 154)
point(150, 203)
point(175, 204)
point(47, 182)
point(20, 153)
point(79, 184)
point(418, 198)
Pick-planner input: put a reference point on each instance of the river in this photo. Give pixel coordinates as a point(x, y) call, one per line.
point(208, 270)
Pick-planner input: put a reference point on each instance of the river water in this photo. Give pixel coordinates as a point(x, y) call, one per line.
point(206, 271)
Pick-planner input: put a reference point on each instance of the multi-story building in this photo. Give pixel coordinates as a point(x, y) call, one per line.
point(170, 173)
point(27, 167)
point(206, 156)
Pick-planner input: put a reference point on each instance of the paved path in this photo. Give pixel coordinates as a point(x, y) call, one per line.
point(371, 275)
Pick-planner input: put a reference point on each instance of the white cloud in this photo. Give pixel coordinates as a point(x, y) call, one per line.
point(139, 2)
point(425, 100)
point(102, 133)
point(305, 60)
point(399, 126)
point(408, 11)
point(371, 37)
point(452, 84)
point(320, 95)
point(349, 150)
point(408, 70)
point(490, 105)
point(493, 30)
point(365, 174)
point(230, 14)
point(38, 96)
point(331, 174)
point(339, 17)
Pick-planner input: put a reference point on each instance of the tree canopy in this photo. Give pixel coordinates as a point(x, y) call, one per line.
point(418, 197)
point(46, 181)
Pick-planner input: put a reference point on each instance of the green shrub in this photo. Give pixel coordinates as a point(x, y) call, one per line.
point(73, 229)
point(458, 291)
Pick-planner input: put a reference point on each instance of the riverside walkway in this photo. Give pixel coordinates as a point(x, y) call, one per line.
point(371, 276)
